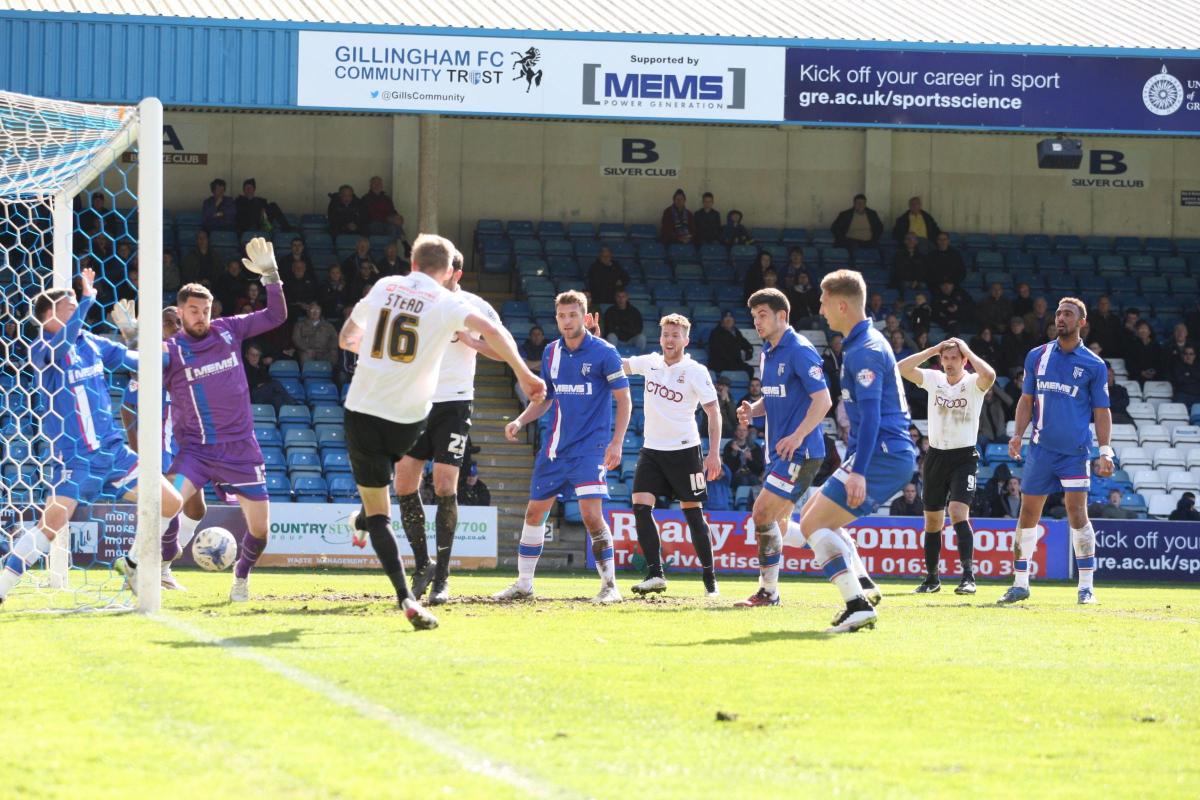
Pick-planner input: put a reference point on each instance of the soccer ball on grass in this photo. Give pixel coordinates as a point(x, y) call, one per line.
point(214, 549)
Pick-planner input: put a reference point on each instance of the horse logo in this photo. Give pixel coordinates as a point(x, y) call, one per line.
point(526, 65)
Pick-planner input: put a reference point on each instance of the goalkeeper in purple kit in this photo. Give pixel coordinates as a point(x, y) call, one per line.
point(210, 402)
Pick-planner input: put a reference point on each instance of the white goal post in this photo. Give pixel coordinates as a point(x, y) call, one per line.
point(50, 152)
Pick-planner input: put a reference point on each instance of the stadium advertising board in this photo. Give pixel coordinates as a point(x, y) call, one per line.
point(539, 77)
point(1147, 550)
point(992, 90)
point(889, 546)
point(302, 535)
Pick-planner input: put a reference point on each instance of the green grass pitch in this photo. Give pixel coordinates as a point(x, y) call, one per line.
point(319, 688)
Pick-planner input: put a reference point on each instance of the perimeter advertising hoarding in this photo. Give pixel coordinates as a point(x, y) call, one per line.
point(302, 535)
point(1147, 550)
point(539, 77)
point(889, 546)
point(920, 88)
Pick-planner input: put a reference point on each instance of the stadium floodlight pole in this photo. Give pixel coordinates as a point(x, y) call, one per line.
point(150, 372)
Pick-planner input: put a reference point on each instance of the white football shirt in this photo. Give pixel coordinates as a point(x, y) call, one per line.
point(953, 410)
point(456, 379)
point(672, 392)
point(408, 322)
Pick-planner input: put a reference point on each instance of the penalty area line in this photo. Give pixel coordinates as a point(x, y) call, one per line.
point(438, 741)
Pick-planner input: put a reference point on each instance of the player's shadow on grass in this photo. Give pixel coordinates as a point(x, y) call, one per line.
point(291, 636)
point(759, 637)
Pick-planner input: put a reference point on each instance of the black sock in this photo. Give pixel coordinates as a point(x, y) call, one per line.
point(933, 553)
point(700, 537)
point(446, 523)
point(360, 521)
point(647, 533)
point(412, 517)
point(966, 546)
point(380, 528)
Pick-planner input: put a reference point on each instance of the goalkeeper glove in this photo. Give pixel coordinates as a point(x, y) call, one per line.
point(260, 259)
point(123, 316)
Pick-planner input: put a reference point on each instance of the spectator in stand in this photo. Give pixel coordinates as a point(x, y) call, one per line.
point(1128, 337)
point(753, 280)
point(1010, 501)
point(908, 266)
point(951, 306)
point(728, 348)
point(708, 221)
point(361, 255)
point(1180, 341)
point(857, 226)
point(752, 395)
point(296, 251)
point(916, 221)
point(1118, 399)
point(624, 322)
point(875, 309)
point(1145, 358)
point(1192, 320)
point(263, 388)
point(1014, 347)
point(253, 299)
point(1023, 302)
point(1185, 509)
point(392, 263)
point(907, 504)
point(831, 362)
point(380, 212)
point(899, 350)
point(232, 285)
point(362, 280)
point(171, 278)
point(994, 311)
point(987, 346)
point(944, 263)
point(249, 210)
point(315, 338)
point(993, 415)
point(727, 408)
point(804, 298)
point(678, 224)
point(744, 457)
point(1185, 378)
point(300, 288)
point(770, 279)
point(1110, 510)
point(335, 294)
point(127, 289)
point(471, 490)
point(734, 231)
point(1037, 319)
point(1104, 326)
point(217, 211)
point(533, 347)
point(605, 276)
point(345, 212)
point(795, 264)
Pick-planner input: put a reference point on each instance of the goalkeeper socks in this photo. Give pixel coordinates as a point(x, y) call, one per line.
point(528, 553)
point(602, 550)
point(170, 541)
point(770, 554)
point(446, 523)
point(187, 529)
point(412, 517)
point(252, 548)
point(834, 557)
point(647, 534)
point(25, 553)
point(701, 539)
point(966, 547)
point(1023, 556)
point(379, 527)
point(933, 553)
point(1083, 541)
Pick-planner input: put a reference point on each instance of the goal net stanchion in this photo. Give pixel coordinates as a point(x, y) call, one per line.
point(80, 187)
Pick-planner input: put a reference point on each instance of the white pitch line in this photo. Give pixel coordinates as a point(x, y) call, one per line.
point(468, 758)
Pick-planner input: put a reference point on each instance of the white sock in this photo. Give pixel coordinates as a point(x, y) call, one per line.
point(834, 557)
point(794, 536)
point(187, 529)
point(856, 563)
point(528, 553)
point(1084, 541)
point(770, 556)
point(1023, 558)
point(28, 549)
point(602, 549)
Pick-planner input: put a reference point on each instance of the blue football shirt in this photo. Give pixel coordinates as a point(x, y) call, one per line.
point(580, 383)
point(790, 372)
point(869, 376)
point(1065, 386)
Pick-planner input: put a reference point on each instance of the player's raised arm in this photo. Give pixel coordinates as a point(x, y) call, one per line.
point(987, 374)
point(69, 331)
point(501, 341)
point(260, 259)
point(909, 366)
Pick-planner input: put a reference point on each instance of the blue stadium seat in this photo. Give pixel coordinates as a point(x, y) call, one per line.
point(265, 434)
point(342, 487)
point(310, 489)
point(263, 413)
point(278, 487)
point(557, 247)
point(273, 457)
point(1068, 244)
point(1142, 264)
point(285, 368)
point(331, 436)
point(294, 414)
point(321, 391)
point(581, 230)
point(519, 227)
point(329, 415)
point(303, 461)
point(1127, 244)
point(742, 497)
point(1158, 245)
point(317, 369)
point(989, 260)
point(610, 230)
point(794, 237)
point(489, 226)
point(571, 511)
point(643, 231)
point(996, 453)
point(335, 461)
point(551, 229)
point(1172, 265)
point(299, 437)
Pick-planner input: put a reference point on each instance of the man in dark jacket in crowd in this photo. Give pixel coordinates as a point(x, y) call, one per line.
point(1104, 326)
point(345, 212)
point(857, 226)
point(678, 224)
point(728, 349)
point(994, 311)
point(945, 263)
point(605, 277)
point(908, 266)
point(1118, 399)
point(1185, 377)
point(708, 221)
point(916, 220)
point(472, 491)
point(1014, 347)
point(1185, 509)
point(907, 504)
point(623, 323)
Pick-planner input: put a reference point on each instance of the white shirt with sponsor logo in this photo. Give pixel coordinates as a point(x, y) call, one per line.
point(456, 379)
point(672, 392)
point(408, 323)
point(953, 409)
